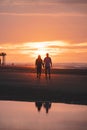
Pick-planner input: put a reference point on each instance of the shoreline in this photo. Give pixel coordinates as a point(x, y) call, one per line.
point(24, 86)
point(79, 71)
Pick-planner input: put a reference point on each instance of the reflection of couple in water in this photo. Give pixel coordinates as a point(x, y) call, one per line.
point(47, 64)
point(46, 105)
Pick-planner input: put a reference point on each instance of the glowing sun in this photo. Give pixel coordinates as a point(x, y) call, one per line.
point(41, 49)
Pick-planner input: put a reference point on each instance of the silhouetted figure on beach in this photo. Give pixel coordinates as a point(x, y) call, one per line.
point(39, 64)
point(47, 106)
point(38, 105)
point(48, 65)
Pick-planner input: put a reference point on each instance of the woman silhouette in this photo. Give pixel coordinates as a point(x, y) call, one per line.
point(38, 64)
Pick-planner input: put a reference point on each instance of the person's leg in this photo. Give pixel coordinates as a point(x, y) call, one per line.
point(49, 72)
point(39, 72)
point(46, 72)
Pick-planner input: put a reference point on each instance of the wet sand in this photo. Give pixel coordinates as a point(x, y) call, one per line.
point(62, 87)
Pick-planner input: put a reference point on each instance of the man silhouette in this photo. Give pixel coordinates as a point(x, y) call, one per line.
point(47, 64)
point(47, 106)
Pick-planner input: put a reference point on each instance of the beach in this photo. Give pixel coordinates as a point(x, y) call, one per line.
point(65, 85)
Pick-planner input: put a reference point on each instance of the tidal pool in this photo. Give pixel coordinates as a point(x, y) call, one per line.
point(15, 115)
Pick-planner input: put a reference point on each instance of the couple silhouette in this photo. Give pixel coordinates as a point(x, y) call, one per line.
point(46, 105)
point(46, 63)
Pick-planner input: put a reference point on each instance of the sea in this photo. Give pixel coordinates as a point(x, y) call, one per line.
point(70, 65)
point(59, 65)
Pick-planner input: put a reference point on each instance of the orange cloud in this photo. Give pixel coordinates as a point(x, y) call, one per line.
point(59, 51)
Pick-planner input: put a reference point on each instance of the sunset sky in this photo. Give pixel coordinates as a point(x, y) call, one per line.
point(32, 27)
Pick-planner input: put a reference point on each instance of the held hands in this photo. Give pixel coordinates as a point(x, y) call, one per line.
point(43, 65)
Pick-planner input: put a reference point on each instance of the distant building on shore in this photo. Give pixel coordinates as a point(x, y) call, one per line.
point(3, 58)
point(0, 61)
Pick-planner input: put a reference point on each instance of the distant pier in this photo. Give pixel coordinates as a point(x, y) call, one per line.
point(3, 58)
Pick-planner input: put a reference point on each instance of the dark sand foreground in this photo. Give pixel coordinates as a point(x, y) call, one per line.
point(62, 87)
